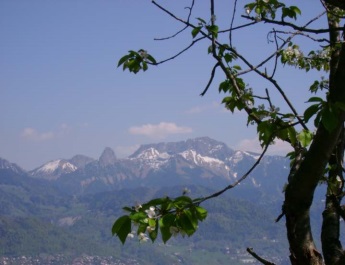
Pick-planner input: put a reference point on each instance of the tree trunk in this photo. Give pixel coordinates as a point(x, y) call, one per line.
point(300, 191)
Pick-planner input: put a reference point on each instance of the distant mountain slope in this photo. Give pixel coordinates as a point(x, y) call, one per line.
point(201, 161)
point(79, 199)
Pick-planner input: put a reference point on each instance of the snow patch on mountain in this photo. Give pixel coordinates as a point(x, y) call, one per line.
point(151, 158)
point(203, 161)
point(253, 155)
point(237, 157)
point(4, 164)
point(53, 169)
point(54, 165)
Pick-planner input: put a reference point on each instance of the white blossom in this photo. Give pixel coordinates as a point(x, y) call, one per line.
point(186, 191)
point(138, 207)
point(150, 229)
point(151, 212)
point(143, 54)
point(143, 237)
point(131, 234)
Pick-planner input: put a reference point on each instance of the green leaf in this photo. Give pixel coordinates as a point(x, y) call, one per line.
point(142, 228)
point(138, 216)
point(305, 137)
point(186, 224)
point(123, 59)
point(196, 31)
point(296, 9)
point(183, 199)
point(153, 234)
point(151, 59)
point(266, 130)
point(309, 112)
point(154, 202)
point(213, 29)
point(145, 67)
point(122, 227)
point(191, 214)
point(201, 213)
point(201, 20)
point(152, 222)
point(258, 10)
point(128, 209)
point(292, 135)
point(228, 57)
point(224, 86)
point(315, 99)
point(165, 223)
point(237, 67)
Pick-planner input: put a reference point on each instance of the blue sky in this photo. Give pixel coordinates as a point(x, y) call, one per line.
point(62, 94)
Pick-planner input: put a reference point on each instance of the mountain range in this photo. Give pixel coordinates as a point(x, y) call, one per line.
point(201, 161)
point(71, 196)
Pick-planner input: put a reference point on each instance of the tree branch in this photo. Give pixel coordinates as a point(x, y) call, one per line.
point(188, 19)
point(295, 27)
point(216, 194)
point(256, 256)
point(211, 79)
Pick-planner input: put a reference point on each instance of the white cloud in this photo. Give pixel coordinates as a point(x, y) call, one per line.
point(160, 130)
point(32, 134)
point(253, 145)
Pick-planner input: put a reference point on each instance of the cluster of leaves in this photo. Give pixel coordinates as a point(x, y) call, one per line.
point(136, 61)
point(326, 112)
point(210, 27)
point(169, 216)
point(318, 60)
point(269, 8)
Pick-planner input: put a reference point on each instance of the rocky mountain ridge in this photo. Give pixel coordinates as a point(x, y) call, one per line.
point(202, 161)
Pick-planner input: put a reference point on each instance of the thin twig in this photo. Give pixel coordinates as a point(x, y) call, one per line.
point(172, 36)
point(216, 194)
point(232, 23)
point(302, 34)
point(298, 28)
point(262, 260)
point(211, 79)
point(188, 19)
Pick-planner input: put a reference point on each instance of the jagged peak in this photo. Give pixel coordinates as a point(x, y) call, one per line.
point(108, 157)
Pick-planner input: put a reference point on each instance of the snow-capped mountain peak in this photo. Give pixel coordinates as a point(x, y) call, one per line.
point(56, 164)
point(152, 154)
point(53, 169)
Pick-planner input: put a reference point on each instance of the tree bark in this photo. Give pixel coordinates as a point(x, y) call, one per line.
point(299, 196)
point(331, 246)
point(300, 191)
